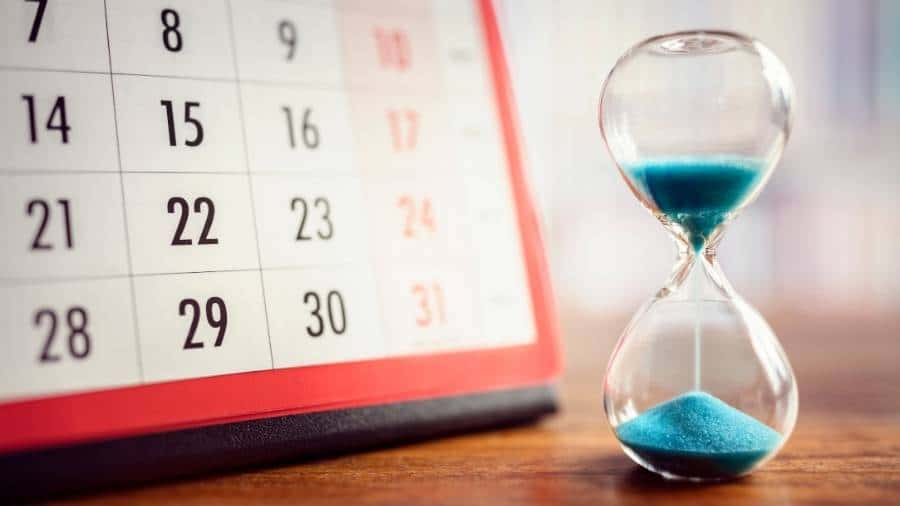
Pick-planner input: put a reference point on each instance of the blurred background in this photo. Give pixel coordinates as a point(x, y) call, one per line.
point(824, 236)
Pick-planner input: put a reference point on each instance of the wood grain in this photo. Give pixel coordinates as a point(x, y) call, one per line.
point(845, 449)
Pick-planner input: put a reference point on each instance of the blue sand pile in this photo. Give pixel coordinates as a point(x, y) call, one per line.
point(698, 435)
point(696, 193)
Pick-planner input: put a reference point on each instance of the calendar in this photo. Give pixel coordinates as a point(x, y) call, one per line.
point(227, 212)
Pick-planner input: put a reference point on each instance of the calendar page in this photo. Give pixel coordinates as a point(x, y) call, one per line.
point(228, 209)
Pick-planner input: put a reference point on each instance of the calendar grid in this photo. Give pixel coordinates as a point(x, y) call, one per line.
point(396, 273)
point(134, 314)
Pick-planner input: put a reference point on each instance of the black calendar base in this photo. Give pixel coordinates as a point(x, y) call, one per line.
point(97, 466)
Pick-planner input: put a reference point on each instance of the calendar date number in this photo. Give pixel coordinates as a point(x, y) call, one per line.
point(324, 229)
point(330, 307)
point(189, 119)
point(429, 300)
point(38, 19)
point(309, 133)
point(202, 205)
point(216, 314)
point(56, 120)
point(42, 210)
point(77, 339)
point(171, 36)
point(393, 49)
point(404, 126)
point(287, 34)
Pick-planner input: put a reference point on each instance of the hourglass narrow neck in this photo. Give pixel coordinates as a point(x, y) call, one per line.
point(697, 274)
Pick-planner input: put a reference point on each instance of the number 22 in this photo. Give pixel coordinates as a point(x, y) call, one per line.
point(199, 203)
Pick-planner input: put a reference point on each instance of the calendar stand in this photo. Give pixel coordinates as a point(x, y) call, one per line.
point(267, 441)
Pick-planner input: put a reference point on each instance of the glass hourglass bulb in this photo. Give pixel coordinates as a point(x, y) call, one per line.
point(698, 386)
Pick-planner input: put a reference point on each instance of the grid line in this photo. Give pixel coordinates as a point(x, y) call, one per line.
point(134, 315)
point(103, 277)
point(402, 90)
point(240, 102)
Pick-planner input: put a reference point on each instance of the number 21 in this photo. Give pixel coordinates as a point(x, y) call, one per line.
point(42, 208)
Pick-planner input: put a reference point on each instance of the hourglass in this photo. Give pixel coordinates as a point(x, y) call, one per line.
point(698, 386)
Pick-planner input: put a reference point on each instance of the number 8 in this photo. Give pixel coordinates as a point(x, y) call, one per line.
point(171, 22)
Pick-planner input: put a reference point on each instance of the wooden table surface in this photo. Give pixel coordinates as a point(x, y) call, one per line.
point(844, 450)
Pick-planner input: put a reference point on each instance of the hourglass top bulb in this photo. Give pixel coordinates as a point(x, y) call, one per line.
point(696, 122)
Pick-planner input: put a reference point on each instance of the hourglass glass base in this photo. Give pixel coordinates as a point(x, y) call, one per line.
point(693, 468)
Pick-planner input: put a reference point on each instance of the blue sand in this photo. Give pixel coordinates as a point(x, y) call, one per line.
point(696, 193)
point(698, 435)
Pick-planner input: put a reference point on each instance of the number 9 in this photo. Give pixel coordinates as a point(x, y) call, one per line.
point(287, 32)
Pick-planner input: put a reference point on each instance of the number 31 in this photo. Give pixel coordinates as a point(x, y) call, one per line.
point(429, 304)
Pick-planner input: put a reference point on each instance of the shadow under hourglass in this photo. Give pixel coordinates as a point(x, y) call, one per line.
point(616, 480)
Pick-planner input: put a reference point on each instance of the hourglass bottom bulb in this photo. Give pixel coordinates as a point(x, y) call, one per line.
point(698, 194)
point(696, 435)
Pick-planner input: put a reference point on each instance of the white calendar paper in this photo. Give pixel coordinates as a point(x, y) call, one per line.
point(191, 189)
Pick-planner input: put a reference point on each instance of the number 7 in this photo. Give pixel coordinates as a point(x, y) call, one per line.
point(38, 17)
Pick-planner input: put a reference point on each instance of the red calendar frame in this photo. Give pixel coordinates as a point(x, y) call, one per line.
point(138, 410)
